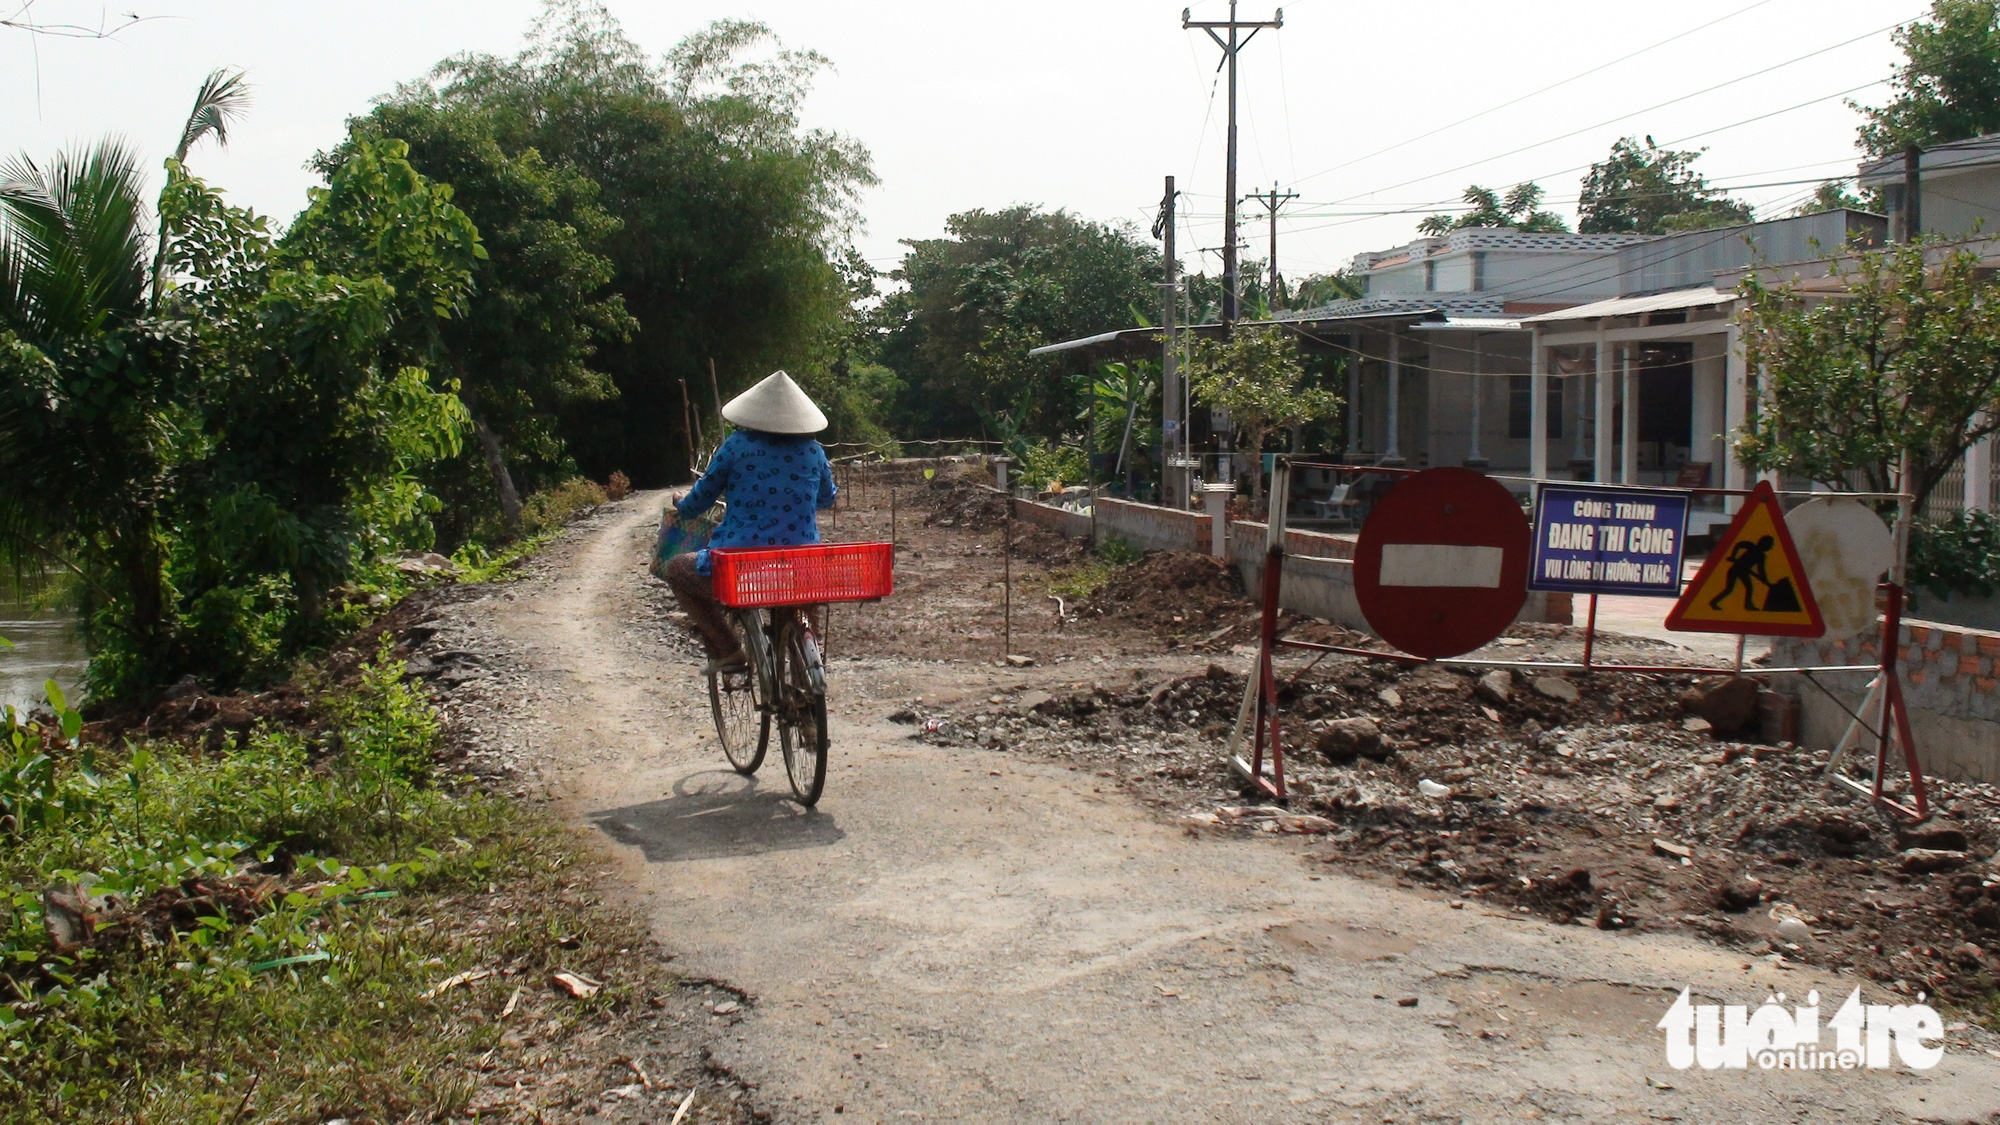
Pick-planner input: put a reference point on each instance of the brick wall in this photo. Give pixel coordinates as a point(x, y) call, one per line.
point(1951, 682)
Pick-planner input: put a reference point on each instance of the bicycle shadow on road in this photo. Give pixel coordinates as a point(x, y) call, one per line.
point(718, 813)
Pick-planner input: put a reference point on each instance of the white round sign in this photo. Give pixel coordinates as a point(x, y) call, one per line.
point(1846, 549)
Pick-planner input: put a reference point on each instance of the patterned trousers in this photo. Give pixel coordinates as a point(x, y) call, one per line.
point(696, 593)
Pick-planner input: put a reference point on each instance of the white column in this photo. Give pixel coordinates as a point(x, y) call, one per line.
point(1979, 471)
point(1391, 446)
point(1354, 396)
point(1628, 467)
point(1475, 457)
point(1538, 409)
point(1576, 395)
point(1600, 453)
point(1735, 400)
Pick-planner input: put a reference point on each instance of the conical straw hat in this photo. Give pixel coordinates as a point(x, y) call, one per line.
point(776, 406)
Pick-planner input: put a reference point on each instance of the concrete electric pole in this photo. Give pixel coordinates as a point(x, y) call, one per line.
point(1272, 203)
point(1230, 47)
point(1173, 415)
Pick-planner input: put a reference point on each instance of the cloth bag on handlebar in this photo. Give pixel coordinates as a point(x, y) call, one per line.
point(679, 537)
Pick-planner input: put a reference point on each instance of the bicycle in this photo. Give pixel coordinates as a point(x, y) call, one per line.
point(773, 595)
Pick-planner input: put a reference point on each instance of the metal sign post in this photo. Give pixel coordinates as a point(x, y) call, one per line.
point(1260, 689)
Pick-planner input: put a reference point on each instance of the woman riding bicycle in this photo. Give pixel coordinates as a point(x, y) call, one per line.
point(774, 478)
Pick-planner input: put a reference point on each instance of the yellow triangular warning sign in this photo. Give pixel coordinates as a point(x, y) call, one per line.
point(1753, 581)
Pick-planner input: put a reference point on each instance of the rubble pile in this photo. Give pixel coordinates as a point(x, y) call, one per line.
point(1606, 800)
point(1172, 593)
point(964, 500)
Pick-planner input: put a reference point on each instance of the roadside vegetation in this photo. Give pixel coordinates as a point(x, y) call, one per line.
point(262, 933)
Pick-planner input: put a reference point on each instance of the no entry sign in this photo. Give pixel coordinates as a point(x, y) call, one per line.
point(1442, 564)
point(1609, 541)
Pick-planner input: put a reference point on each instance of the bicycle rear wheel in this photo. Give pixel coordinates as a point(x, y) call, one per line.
point(742, 725)
point(801, 710)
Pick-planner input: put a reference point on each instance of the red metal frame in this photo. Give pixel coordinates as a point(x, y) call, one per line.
point(1266, 709)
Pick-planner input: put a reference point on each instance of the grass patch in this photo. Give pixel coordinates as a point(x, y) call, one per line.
point(1081, 579)
point(257, 935)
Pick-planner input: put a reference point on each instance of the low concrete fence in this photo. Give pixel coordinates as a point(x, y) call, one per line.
point(1063, 521)
point(1951, 682)
point(1152, 528)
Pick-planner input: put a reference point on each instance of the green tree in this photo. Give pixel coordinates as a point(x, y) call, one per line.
point(1520, 210)
point(997, 285)
point(1645, 189)
point(540, 305)
point(1833, 195)
point(85, 376)
point(312, 397)
point(1906, 361)
point(1325, 288)
point(1948, 88)
point(1256, 375)
point(735, 216)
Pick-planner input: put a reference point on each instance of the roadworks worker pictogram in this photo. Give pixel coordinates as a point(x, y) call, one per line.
point(1753, 581)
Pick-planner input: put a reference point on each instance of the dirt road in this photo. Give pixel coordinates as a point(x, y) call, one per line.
point(965, 934)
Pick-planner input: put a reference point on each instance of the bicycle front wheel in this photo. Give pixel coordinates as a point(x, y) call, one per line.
point(743, 727)
point(802, 714)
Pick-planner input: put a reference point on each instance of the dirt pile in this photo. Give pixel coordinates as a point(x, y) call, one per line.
point(1580, 798)
point(964, 502)
point(1172, 592)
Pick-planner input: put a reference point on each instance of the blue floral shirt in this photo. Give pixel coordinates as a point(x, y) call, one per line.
point(774, 484)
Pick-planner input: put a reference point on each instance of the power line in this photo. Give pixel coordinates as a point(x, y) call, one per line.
point(1649, 109)
point(1532, 93)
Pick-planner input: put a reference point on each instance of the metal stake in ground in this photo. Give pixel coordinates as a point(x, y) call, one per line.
point(1007, 583)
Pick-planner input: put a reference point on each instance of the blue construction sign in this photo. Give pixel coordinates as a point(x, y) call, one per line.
point(1592, 540)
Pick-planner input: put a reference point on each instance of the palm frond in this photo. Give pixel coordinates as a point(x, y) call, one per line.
point(224, 97)
point(72, 241)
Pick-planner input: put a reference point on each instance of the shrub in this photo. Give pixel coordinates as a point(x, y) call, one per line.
point(552, 507)
point(618, 487)
point(1958, 556)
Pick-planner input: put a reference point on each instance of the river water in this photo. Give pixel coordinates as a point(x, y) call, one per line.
point(46, 646)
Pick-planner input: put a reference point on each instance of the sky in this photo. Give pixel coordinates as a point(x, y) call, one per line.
point(1360, 107)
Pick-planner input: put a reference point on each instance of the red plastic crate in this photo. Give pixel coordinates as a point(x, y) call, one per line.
point(748, 577)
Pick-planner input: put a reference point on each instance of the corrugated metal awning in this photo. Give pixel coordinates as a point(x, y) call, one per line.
point(1472, 324)
point(1634, 306)
point(1130, 339)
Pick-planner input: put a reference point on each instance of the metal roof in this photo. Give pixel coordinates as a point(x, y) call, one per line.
point(1128, 340)
point(1634, 306)
point(1472, 324)
point(1937, 160)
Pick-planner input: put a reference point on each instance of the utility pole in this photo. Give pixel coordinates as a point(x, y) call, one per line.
point(1173, 419)
point(1230, 47)
point(1272, 203)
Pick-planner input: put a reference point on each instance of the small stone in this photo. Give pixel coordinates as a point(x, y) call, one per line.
point(1666, 802)
point(1937, 837)
point(1672, 850)
point(1697, 724)
point(1390, 697)
point(1407, 1002)
point(1923, 861)
point(1968, 954)
point(1346, 739)
point(727, 1008)
point(1728, 704)
point(1556, 688)
point(1032, 700)
point(1794, 930)
point(1020, 661)
point(1495, 687)
point(1739, 896)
